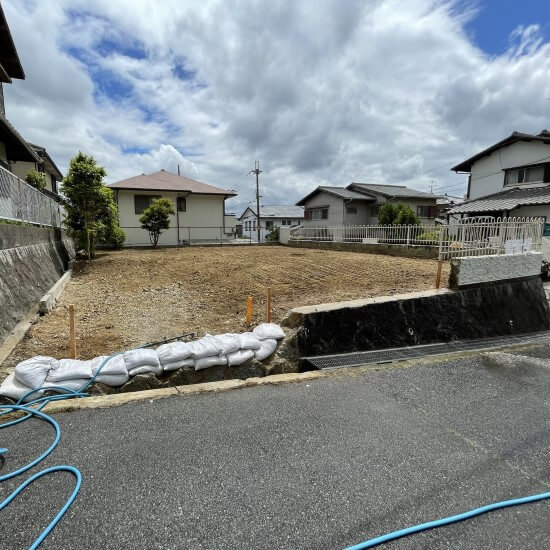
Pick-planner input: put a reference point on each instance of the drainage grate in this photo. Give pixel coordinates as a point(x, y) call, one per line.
point(325, 362)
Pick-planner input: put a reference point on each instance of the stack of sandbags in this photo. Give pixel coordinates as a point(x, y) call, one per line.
point(69, 373)
point(112, 370)
point(175, 355)
point(141, 361)
point(267, 334)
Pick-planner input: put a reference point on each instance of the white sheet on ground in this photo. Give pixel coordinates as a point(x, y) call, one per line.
point(228, 342)
point(32, 372)
point(268, 347)
point(13, 389)
point(249, 341)
point(239, 357)
point(207, 346)
point(68, 369)
point(113, 372)
point(207, 362)
point(173, 352)
point(268, 330)
point(179, 364)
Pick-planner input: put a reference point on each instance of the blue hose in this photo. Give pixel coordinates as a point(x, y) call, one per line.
point(371, 543)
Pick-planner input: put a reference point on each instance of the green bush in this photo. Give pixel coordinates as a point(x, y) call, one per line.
point(36, 179)
point(397, 214)
point(273, 235)
point(156, 217)
point(429, 235)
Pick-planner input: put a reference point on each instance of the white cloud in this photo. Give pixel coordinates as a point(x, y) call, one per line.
point(320, 92)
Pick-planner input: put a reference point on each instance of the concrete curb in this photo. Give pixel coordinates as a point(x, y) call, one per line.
point(48, 301)
point(18, 333)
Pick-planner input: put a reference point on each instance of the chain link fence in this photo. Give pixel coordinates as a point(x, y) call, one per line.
point(21, 202)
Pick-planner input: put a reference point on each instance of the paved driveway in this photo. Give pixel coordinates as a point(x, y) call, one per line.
point(319, 464)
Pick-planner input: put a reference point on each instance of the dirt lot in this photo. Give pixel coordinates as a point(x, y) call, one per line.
point(129, 297)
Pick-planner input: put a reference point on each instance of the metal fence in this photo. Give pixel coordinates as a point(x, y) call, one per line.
point(469, 237)
point(21, 202)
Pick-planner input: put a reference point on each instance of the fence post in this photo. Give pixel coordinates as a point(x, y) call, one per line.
point(221, 235)
point(439, 259)
point(408, 235)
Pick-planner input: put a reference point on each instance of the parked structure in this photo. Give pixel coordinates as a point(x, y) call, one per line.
point(200, 209)
point(271, 218)
point(510, 178)
point(359, 203)
point(20, 201)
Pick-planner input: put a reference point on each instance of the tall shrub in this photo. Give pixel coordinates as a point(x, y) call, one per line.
point(156, 218)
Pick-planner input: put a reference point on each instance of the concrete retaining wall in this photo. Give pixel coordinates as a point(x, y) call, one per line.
point(485, 269)
point(28, 269)
point(388, 249)
point(509, 307)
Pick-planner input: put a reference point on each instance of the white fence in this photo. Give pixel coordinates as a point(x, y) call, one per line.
point(467, 238)
point(22, 202)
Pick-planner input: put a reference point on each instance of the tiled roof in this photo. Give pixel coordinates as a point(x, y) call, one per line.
point(398, 191)
point(166, 181)
point(281, 211)
point(345, 193)
point(505, 200)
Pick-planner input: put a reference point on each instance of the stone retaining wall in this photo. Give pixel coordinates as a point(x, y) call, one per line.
point(388, 249)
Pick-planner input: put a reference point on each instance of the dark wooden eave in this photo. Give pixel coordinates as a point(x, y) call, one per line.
point(9, 60)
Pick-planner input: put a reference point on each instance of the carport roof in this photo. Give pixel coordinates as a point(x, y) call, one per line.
point(166, 181)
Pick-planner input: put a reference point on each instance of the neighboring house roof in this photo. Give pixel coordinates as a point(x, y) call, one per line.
point(466, 166)
point(166, 181)
point(392, 191)
point(10, 66)
point(277, 211)
point(49, 164)
point(341, 192)
point(16, 147)
point(505, 200)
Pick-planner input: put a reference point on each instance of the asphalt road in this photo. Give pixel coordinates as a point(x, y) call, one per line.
point(322, 464)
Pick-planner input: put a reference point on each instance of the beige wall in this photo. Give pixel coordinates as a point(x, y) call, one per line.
point(22, 168)
point(203, 219)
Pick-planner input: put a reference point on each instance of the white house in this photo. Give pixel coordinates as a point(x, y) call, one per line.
point(510, 178)
point(199, 209)
point(359, 203)
point(271, 217)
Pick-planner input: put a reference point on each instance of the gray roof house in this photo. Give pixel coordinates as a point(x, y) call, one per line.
point(271, 217)
point(358, 203)
point(509, 178)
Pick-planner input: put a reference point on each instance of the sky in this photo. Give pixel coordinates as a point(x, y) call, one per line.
point(320, 92)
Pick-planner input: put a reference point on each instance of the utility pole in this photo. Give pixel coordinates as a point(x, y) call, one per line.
point(257, 171)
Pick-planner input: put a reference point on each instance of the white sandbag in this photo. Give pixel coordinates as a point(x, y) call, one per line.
point(179, 364)
point(173, 352)
point(75, 384)
point(268, 347)
point(239, 357)
point(112, 373)
point(68, 369)
point(249, 341)
point(268, 330)
point(32, 372)
point(155, 369)
point(228, 342)
point(207, 346)
point(13, 389)
point(139, 358)
point(207, 362)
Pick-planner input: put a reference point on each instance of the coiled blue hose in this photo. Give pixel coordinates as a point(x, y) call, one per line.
point(371, 543)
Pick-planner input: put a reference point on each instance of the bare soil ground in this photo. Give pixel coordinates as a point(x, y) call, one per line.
point(128, 297)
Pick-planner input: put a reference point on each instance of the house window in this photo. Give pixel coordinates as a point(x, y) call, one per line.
point(182, 204)
point(269, 225)
point(423, 211)
point(54, 183)
point(351, 209)
point(533, 174)
point(316, 214)
point(373, 211)
point(141, 202)
point(286, 222)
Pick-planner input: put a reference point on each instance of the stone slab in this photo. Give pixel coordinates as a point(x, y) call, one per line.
point(48, 301)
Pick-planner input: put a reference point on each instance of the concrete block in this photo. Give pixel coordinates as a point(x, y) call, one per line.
point(48, 301)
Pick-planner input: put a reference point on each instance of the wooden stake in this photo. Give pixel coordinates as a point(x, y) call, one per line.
point(438, 275)
point(72, 333)
point(249, 311)
point(268, 312)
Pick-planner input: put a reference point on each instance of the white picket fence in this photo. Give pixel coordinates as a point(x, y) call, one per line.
point(469, 237)
point(21, 202)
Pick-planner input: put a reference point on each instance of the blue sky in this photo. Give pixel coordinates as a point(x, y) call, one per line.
point(321, 92)
point(496, 19)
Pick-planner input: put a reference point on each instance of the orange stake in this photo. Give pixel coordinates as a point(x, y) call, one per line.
point(268, 305)
point(249, 311)
point(72, 333)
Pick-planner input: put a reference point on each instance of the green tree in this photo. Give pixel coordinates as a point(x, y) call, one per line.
point(397, 214)
point(109, 231)
point(36, 179)
point(90, 208)
point(156, 218)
